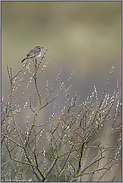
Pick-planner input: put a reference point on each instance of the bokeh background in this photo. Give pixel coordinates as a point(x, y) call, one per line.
point(80, 36)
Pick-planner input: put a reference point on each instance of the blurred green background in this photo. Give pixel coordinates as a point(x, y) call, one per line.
point(80, 36)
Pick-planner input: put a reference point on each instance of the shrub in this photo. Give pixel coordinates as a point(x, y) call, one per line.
point(67, 147)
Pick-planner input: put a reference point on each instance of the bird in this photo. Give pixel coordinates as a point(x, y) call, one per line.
point(34, 53)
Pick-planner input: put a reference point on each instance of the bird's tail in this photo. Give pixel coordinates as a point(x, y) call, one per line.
point(23, 59)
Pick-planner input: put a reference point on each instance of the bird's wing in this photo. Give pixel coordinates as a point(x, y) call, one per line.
point(33, 53)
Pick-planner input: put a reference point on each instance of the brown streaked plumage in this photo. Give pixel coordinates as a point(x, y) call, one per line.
point(34, 53)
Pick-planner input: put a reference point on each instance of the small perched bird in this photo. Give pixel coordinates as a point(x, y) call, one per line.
point(34, 53)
